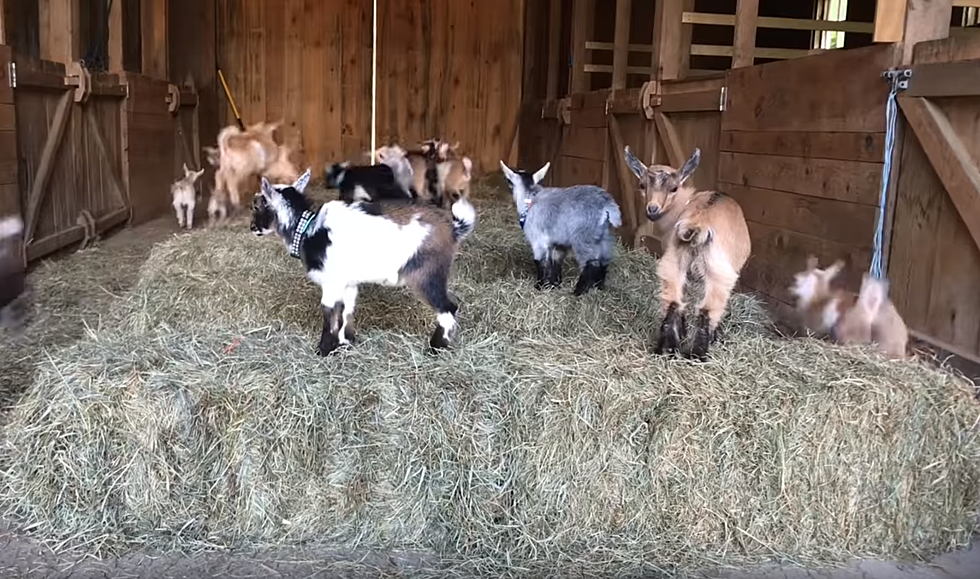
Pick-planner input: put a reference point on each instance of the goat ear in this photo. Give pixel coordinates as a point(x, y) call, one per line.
point(511, 175)
point(635, 165)
point(468, 167)
point(873, 294)
point(302, 181)
point(539, 176)
point(266, 186)
point(812, 263)
point(689, 167)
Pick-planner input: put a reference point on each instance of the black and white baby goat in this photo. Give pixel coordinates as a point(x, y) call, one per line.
point(366, 183)
point(344, 245)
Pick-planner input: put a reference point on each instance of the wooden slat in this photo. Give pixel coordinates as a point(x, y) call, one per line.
point(622, 40)
point(780, 53)
point(627, 182)
point(925, 21)
point(585, 143)
point(668, 136)
point(889, 23)
point(746, 21)
point(154, 38)
point(59, 30)
point(949, 157)
point(71, 235)
point(868, 147)
point(949, 79)
point(583, 12)
point(824, 218)
point(851, 181)
point(116, 38)
point(554, 47)
point(41, 79)
point(780, 23)
point(39, 187)
point(668, 40)
point(706, 100)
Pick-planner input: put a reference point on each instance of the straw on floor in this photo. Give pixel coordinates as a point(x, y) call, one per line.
point(197, 415)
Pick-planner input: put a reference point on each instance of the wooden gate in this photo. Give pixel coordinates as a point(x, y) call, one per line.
point(935, 259)
point(69, 143)
point(182, 104)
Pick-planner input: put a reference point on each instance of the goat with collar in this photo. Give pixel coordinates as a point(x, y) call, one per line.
point(344, 245)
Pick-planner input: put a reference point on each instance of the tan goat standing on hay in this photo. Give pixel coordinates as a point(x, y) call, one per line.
point(251, 154)
point(868, 316)
point(703, 233)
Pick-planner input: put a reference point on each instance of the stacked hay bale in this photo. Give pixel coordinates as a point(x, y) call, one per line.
point(550, 438)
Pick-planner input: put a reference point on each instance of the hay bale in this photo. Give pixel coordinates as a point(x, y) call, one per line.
point(550, 438)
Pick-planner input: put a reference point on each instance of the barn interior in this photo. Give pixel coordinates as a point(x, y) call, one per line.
point(152, 382)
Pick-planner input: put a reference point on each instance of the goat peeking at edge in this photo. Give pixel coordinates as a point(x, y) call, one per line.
point(704, 234)
point(344, 245)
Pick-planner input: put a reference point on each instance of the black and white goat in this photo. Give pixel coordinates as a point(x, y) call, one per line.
point(366, 183)
point(344, 245)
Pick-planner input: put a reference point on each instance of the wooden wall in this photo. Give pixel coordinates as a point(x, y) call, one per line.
point(445, 67)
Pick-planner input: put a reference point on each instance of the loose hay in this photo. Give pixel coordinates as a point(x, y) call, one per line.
point(550, 439)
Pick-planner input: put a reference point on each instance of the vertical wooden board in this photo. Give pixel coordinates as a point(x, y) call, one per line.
point(295, 32)
point(331, 81)
point(700, 130)
point(275, 59)
point(356, 78)
point(954, 307)
point(254, 93)
point(313, 83)
point(913, 246)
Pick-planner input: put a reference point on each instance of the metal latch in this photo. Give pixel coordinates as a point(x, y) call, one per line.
point(898, 77)
point(12, 74)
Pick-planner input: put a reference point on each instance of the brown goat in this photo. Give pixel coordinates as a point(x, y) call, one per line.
point(703, 233)
point(849, 318)
point(430, 169)
point(251, 153)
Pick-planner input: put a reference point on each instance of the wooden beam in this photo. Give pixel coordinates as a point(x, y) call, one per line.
point(779, 23)
point(554, 48)
point(925, 20)
point(665, 128)
point(583, 14)
point(746, 17)
point(58, 28)
point(626, 177)
point(153, 14)
point(622, 43)
point(947, 79)
point(949, 158)
point(668, 40)
point(889, 20)
point(116, 38)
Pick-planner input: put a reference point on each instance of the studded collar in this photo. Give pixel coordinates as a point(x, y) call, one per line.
point(299, 234)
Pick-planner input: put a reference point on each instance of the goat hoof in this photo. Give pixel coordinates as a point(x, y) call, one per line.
point(440, 340)
point(328, 344)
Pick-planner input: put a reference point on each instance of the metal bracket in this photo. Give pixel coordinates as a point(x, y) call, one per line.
point(898, 77)
point(723, 99)
point(12, 74)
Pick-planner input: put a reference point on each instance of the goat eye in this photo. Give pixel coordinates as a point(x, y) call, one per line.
point(673, 189)
point(643, 186)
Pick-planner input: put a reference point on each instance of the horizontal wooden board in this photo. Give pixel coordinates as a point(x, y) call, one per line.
point(777, 254)
point(958, 47)
point(852, 181)
point(868, 147)
point(824, 218)
point(838, 91)
point(591, 117)
point(575, 171)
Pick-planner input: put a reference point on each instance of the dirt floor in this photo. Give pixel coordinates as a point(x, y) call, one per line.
point(23, 557)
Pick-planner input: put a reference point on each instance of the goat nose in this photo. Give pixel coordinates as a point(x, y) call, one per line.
point(653, 213)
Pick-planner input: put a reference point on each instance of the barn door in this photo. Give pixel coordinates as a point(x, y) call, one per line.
point(182, 104)
point(934, 263)
point(69, 143)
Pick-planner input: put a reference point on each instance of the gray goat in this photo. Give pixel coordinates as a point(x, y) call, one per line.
point(556, 219)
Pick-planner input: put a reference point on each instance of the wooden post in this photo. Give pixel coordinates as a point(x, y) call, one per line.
point(3, 22)
point(668, 40)
point(889, 20)
point(746, 18)
point(116, 37)
point(530, 26)
point(58, 23)
point(583, 12)
point(554, 48)
point(154, 37)
point(925, 20)
point(621, 48)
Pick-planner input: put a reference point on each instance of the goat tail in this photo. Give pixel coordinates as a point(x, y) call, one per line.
point(11, 226)
point(613, 214)
point(464, 219)
point(223, 136)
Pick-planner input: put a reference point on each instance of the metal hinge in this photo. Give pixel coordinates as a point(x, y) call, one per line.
point(723, 99)
point(12, 74)
point(899, 77)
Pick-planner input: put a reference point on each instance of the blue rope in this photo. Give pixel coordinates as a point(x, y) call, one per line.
point(891, 120)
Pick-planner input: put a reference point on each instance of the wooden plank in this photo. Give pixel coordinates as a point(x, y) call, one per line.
point(668, 40)
point(777, 53)
point(621, 42)
point(154, 38)
point(708, 100)
point(949, 157)
point(925, 20)
point(962, 47)
point(41, 79)
point(590, 117)
point(889, 20)
point(954, 310)
point(628, 184)
point(824, 218)
point(59, 30)
point(554, 48)
point(841, 91)
point(585, 143)
point(52, 144)
point(713, 19)
point(949, 79)
point(583, 14)
point(122, 194)
point(668, 136)
point(869, 147)
point(116, 41)
point(575, 171)
point(852, 181)
point(72, 235)
point(746, 19)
